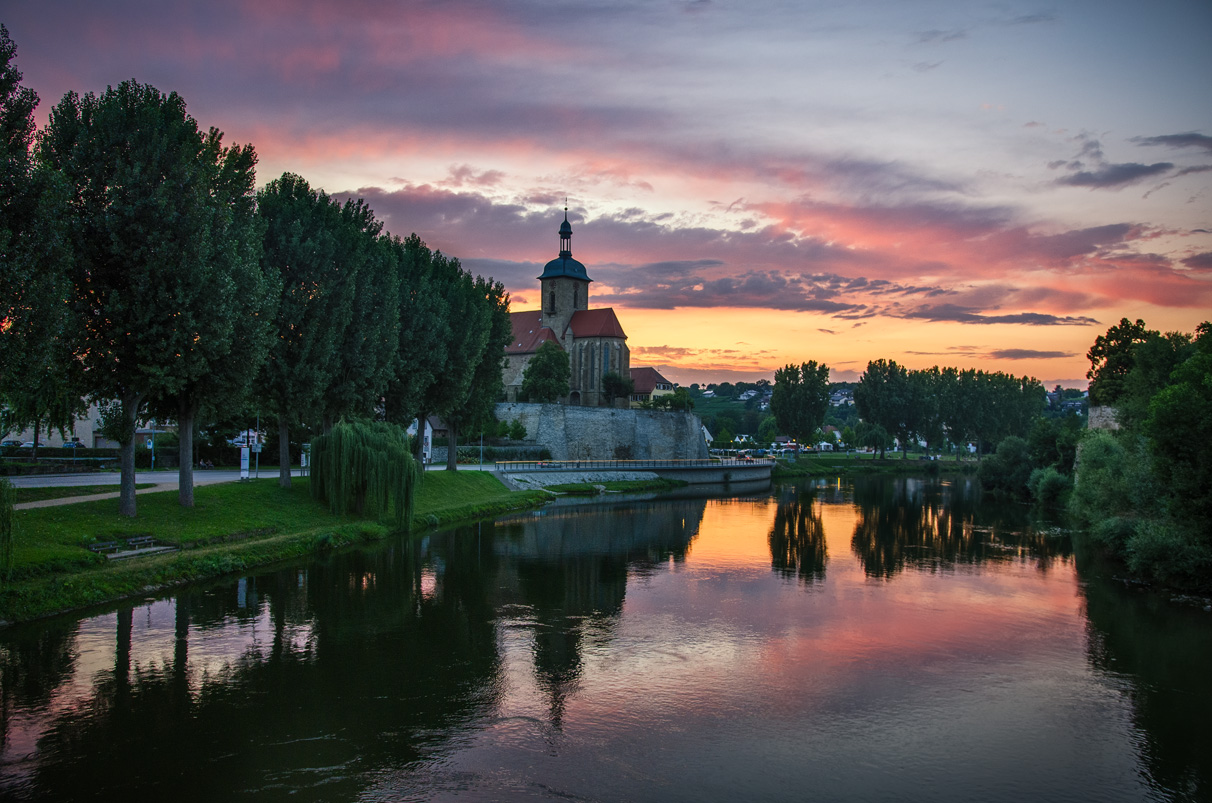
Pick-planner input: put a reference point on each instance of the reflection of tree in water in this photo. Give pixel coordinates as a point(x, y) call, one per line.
point(572, 570)
point(797, 539)
point(378, 676)
point(1159, 652)
point(566, 598)
point(34, 662)
point(935, 524)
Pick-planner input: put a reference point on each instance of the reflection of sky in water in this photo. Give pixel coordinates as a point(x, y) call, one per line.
point(661, 652)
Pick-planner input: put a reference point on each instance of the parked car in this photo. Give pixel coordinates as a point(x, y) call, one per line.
point(27, 445)
point(6, 444)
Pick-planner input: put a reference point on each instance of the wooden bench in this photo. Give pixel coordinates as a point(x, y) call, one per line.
point(140, 541)
point(104, 546)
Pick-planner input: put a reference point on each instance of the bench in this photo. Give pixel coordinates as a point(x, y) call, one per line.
point(140, 541)
point(104, 546)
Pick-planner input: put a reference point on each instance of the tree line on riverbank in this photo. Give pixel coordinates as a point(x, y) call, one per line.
point(141, 267)
point(1142, 490)
point(933, 406)
point(1145, 490)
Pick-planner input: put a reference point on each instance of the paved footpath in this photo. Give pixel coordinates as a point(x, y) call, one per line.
point(163, 481)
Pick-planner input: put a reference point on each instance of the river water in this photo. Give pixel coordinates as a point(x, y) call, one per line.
point(886, 639)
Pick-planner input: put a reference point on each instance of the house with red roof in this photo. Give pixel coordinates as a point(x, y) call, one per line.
point(593, 338)
point(649, 384)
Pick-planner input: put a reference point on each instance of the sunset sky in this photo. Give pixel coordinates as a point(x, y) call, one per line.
point(749, 183)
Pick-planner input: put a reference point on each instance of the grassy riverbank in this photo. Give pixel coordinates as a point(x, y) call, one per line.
point(616, 486)
point(233, 527)
point(841, 464)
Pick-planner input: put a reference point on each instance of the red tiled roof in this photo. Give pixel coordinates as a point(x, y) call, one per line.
point(646, 379)
point(596, 323)
point(528, 332)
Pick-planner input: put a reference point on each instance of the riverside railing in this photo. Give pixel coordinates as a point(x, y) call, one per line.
point(514, 466)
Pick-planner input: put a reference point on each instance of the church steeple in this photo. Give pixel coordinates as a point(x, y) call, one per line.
point(566, 236)
point(564, 266)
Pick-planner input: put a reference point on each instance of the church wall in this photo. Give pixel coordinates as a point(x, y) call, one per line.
point(602, 433)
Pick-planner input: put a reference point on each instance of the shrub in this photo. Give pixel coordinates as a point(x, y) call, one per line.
point(1048, 486)
point(1114, 532)
point(1008, 469)
point(1162, 551)
point(1113, 478)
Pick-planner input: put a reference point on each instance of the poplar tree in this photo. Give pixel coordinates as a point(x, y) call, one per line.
point(883, 397)
point(234, 329)
point(423, 334)
point(800, 399)
point(465, 348)
point(38, 380)
point(150, 241)
point(302, 246)
point(366, 352)
point(487, 384)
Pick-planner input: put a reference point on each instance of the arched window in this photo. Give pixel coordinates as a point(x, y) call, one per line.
point(551, 302)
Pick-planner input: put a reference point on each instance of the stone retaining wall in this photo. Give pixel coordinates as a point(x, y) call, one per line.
point(603, 433)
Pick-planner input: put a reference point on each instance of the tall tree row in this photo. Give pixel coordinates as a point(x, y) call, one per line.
point(139, 267)
point(35, 250)
point(160, 221)
point(937, 403)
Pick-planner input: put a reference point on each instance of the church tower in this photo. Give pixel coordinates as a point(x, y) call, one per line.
point(564, 285)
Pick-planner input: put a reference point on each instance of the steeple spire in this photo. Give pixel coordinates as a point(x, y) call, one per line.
point(566, 235)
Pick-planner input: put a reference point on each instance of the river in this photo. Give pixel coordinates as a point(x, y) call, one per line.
point(881, 639)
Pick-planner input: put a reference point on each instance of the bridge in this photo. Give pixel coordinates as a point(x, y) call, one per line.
point(693, 472)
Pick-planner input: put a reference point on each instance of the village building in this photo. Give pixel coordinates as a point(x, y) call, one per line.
point(649, 385)
point(593, 338)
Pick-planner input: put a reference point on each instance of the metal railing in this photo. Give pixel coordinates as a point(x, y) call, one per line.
point(513, 466)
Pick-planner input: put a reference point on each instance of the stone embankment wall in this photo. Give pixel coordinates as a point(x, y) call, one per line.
point(1102, 418)
point(603, 433)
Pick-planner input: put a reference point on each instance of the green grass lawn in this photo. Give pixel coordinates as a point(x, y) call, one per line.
point(64, 491)
point(232, 527)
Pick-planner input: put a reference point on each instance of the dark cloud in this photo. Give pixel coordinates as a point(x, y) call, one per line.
point(1188, 140)
point(1112, 176)
point(1074, 243)
point(1028, 354)
point(680, 286)
point(1199, 261)
point(958, 314)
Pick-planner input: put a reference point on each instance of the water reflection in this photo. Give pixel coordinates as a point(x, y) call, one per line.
point(572, 565)
point(1160, 654)
point(634, 650)
point(797, 538)
point(935, 524)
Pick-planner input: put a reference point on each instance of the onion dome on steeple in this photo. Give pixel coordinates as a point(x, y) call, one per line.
point(564, 264)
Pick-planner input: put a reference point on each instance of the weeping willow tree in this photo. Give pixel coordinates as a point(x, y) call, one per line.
point(361, 467)
point(7, 498)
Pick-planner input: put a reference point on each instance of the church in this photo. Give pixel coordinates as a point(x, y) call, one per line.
point(593, 338)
